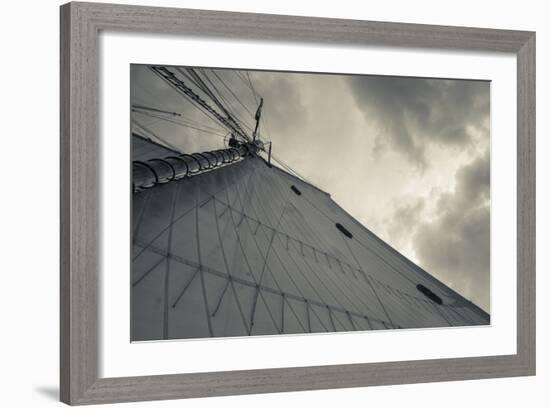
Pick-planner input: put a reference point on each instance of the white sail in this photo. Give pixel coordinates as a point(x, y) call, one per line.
point(249, 249)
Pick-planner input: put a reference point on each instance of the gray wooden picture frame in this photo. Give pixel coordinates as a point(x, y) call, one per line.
point(80, 189)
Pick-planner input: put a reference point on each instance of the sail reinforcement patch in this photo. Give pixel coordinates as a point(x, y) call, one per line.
point(344, 231)
point(429, 294)
point(295, 189)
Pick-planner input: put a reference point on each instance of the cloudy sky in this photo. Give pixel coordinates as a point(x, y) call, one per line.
point(408, 157)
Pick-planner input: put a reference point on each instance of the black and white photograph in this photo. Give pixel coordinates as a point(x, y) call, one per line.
point(275, 204)
point(269, 202)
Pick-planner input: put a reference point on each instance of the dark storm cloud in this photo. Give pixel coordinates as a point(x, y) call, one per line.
point(405, 219)
point(414, 113)
point(456, 244)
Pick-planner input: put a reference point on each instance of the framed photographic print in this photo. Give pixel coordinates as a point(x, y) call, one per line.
point(259, 203)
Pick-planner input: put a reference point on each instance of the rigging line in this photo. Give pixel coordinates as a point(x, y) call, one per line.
point(392, 267)
point(365, 246)
point(343, 285)
point(201, 109)
point(286, 298)
point(351, 321)
point(219, 130)
point(308, 231)
point(146, 273)
point(369, 283)
point(285, 269)
point(219, 302)
point(304, 275)
point(290, 169)
point(238, 194)
point(442, 315)
point(235, 227)
point(465, 315)
point(185, 287)
point(248, 203)
point(147, 98)
point(219, 274)
point(153, 122)
point(190, 74)
point(144, 206)
point(150, 132)
point(228, 270)
point(252, 87)
point(334, 299)
point(340, 321)
point(180, 87)
point(181, 123)
point(375, 293)
point(273, 178)
point(194, 82)
point(145, 148)
point(249, 95)
point(271, 315)
point(331, 320)
point(157, 110)
point(337, 285)
point(208, 91)
point(199, 257)
point(279, 232)
point(287, 168)
point(275, 201)
point(239, 241)
point(367, 276)
point(323, 250)
point(231, 204)
point(243, 79)
point(265, 125)
point(461, 317)
point(162, 231)
point(295, 314)
point(413, 316)
point(247, 193)
point(243, 205)
point(265, 263)
point(229, 106)
point(242, 124)
point(294, 240)
point(419, 274)
point(230, 115)
point(282, 313)
point(215, 127)
point(150, 122)
point(232, 93)
point(318, 317)
point(175, 195)
point(188, 77)
point(148, 135)
point(238, 74)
